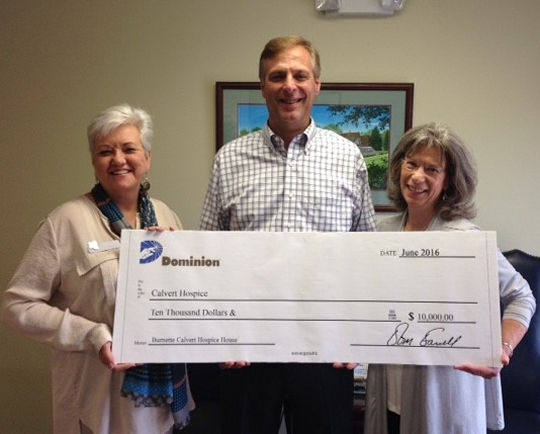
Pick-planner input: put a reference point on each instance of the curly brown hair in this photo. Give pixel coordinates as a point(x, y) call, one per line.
point(457, 200)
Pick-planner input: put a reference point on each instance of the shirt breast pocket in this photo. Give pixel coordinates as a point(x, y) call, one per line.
point(331, 206)
point(98, 273)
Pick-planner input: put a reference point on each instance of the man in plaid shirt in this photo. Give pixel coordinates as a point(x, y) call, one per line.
point(290, 176)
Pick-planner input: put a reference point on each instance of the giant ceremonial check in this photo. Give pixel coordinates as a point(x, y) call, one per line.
point(394, 297)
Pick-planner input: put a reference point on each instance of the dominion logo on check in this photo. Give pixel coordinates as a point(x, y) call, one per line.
point(152, 250)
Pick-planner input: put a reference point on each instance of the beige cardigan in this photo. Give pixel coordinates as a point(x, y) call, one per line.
point(63, 294)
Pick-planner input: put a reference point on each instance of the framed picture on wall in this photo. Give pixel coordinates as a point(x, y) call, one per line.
point(372, 115)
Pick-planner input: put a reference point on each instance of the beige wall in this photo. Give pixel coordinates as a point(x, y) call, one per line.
point(474, 65)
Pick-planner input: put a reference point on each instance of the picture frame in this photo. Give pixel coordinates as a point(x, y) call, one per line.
point(372, 115)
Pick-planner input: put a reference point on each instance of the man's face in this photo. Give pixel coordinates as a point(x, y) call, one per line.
point(290, 89)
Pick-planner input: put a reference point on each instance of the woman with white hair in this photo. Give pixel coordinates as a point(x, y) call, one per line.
point(63, 292)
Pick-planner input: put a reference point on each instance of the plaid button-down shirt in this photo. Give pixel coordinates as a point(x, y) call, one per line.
point(319, 184)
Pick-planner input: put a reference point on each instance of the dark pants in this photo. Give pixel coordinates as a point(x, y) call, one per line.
point(393, 421)
point(318, 399)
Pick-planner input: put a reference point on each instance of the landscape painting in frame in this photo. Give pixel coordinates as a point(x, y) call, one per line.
point(374, 116)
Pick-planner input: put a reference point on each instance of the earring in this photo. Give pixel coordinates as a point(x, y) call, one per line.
point(145, 184)
point(444, 196)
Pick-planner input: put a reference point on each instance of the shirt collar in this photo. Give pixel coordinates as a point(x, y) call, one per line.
point(277, 142)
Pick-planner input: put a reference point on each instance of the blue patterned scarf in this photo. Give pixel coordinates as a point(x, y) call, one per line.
point(149, 385)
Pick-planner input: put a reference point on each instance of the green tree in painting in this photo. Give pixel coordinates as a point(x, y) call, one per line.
point(378, 118)
point(385, 141)
point(377, 167)
point(376, 139)
point(363, 114)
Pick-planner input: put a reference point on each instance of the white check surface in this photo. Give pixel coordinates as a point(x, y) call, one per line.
point(391, 297)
